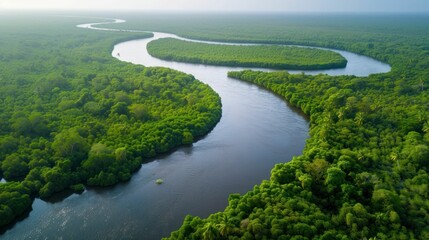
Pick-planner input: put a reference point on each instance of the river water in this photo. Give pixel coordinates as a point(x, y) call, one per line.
point(257, 130)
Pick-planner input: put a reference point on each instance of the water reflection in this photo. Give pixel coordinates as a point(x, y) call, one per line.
point(257, 130)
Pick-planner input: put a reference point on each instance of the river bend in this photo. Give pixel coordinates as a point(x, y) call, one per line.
point(257, 130)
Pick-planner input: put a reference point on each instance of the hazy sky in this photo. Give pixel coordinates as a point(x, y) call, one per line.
point(227, 5)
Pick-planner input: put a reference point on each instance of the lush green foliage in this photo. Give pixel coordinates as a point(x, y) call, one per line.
point(265, 56)
point(364, 171)
point(72, 114)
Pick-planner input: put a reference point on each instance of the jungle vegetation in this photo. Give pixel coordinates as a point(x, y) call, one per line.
point(72, 115)
point(263, 56)
point(364, 171)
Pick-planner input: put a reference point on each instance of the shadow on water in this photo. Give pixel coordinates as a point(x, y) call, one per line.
point(21, 218)
point(256, 131)
point(187, 150)
point(55, 198)
point(294, 109)
point(60, 196)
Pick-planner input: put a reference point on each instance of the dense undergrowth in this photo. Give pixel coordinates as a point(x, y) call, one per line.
point(264, 56)
point(364, 171)
point(72, 115)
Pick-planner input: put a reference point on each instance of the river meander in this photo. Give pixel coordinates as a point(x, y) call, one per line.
point(257, 130)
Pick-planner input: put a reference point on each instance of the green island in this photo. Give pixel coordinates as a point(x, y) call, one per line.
point(263, 56)
point(364, 171)
point(72, 115)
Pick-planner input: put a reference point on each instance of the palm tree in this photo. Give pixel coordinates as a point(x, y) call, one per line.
point(327, 118)
point(323, 133)
point(375, 105)
point(394, 157)
point(225, 227)
point(359, 119)
point(360, 155)
point(426, 127)
point(210, 232)
point(340, 114)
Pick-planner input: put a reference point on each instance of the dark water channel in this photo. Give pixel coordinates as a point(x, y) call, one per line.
point(257, 130)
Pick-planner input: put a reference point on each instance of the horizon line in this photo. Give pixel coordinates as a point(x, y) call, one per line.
point(209, 11)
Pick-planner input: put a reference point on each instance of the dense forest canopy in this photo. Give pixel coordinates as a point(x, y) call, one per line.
point(363, 173)
point(264, 56)
point(73, 115)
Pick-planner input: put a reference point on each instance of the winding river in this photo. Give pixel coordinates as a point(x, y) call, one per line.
point(257, 130)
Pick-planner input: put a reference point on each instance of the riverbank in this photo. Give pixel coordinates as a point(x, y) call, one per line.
point(257, 131)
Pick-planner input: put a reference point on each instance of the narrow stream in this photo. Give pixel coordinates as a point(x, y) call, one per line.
point(257, 130)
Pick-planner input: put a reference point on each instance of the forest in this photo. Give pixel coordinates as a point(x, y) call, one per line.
point(364, 171)
point(263, 56)
point(72, 116)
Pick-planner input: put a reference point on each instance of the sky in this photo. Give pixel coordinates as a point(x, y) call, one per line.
point(226, 5)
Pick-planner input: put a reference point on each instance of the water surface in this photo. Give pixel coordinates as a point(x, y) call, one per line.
point(257, 130)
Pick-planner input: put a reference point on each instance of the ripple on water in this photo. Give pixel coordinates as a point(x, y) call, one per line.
point(257, 130)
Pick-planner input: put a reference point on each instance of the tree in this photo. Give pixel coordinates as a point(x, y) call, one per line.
point(394, 157)
point(426, 127)
point(92, 107)
point(6, 214)
point(359, 119)
point(335, 177)
point(383, 199)
point(22, 126)
point(70, 144)
point(210, 232)
point(38, 124)
point(119, 108)
point(99, 149)
point(47, 190)
point(100, 158)
point(121, 154)
point(306, 181)
point(139, 111)
point(14, 166)
point(225, 227)
point(419, 154)
point(317, 169)
point(188, 138)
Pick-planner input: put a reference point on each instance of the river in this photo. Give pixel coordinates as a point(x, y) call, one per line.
point(257, 130)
